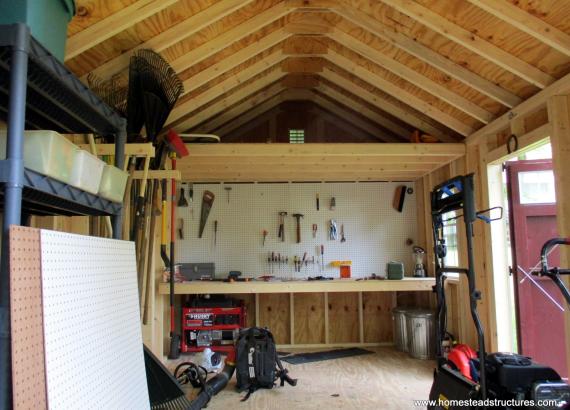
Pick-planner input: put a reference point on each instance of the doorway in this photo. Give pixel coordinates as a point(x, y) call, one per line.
point(539, 306)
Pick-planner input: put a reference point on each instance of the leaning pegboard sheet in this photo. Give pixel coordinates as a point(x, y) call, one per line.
point(93, 339)
point(375, 232)
point(28, 359)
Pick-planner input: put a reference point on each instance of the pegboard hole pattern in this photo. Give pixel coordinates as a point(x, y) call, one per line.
point(93, 339)
point(28, 365)
point(375, 232)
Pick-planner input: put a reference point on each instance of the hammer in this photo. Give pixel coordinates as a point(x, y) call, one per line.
point(298, 217)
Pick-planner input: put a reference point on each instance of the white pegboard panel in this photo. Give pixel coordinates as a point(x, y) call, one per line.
point(93, 340)
point(375, 232)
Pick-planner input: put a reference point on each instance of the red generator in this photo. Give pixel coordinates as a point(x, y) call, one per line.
point(212, 322)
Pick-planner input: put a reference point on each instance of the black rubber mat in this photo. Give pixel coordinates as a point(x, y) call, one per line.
point(320, 356)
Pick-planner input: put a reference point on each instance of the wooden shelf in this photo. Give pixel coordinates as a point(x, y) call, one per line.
point(338, 285)
point(315, 162)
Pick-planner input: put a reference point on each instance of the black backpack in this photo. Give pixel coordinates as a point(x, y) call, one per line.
point(257, 363)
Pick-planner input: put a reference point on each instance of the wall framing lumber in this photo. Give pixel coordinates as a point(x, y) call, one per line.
point(559, 114)
point(527, 107)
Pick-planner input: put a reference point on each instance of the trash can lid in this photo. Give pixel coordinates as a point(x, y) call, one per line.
point(400, 309)
point(420, 313)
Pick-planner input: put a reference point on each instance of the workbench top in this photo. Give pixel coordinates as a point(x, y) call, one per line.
point(300, 286)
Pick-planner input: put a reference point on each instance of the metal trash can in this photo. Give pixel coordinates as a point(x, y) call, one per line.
point(421, 333)
point(400, 328)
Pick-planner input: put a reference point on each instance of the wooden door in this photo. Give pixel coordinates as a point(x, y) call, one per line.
point(539, 303)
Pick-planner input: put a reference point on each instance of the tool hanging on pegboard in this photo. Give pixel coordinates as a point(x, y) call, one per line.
point(228, 189)
point(207, 202)
point(281, 232)
point(264, 233)
point(180, 228)
point(182, 202)
point(333, 231)
point(298, 218)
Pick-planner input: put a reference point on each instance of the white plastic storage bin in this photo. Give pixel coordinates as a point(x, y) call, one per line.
point(87, 172)
point(113, 183)
point(46, 152)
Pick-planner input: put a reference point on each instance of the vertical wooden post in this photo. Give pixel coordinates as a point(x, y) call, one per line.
point(430, 256)
point(257, 309)
point(485, 250)
point(559, 116)
point(327, 337)
point(360, 318)
point(292, 316)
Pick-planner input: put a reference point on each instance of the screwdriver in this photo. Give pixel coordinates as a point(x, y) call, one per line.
point(323, 257)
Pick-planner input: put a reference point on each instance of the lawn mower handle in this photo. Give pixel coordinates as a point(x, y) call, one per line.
point(554, 273)
point(544, 254)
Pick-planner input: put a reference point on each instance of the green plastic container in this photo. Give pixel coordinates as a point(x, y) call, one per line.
point(47, 19)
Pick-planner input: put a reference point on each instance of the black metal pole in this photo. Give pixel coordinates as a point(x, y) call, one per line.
point(120, 140)
point(12, 196)
point(469, 216)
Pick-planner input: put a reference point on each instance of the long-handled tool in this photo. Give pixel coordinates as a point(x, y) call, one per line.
point(298, 218)
point(207, 202)
point(281, 232)
point(322, 258)
point(177, 148)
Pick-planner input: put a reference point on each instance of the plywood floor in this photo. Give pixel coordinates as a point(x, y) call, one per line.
point(387, 379)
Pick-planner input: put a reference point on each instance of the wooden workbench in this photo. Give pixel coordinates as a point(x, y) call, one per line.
point(332, 313)
point(299, 286)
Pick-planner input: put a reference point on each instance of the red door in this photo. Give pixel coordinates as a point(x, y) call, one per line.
point(540, 306)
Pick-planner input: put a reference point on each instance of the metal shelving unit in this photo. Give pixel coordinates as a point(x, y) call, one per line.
point(38, 92)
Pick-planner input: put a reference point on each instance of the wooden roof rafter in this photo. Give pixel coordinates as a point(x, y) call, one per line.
point(360, 106)
point(374, 49)
point(472, 41)
point(411, 76)
point(171, 36)
point(245, 116)
point(222, 104)
point(527, 23)
point(108, 27)
point(433, 58)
